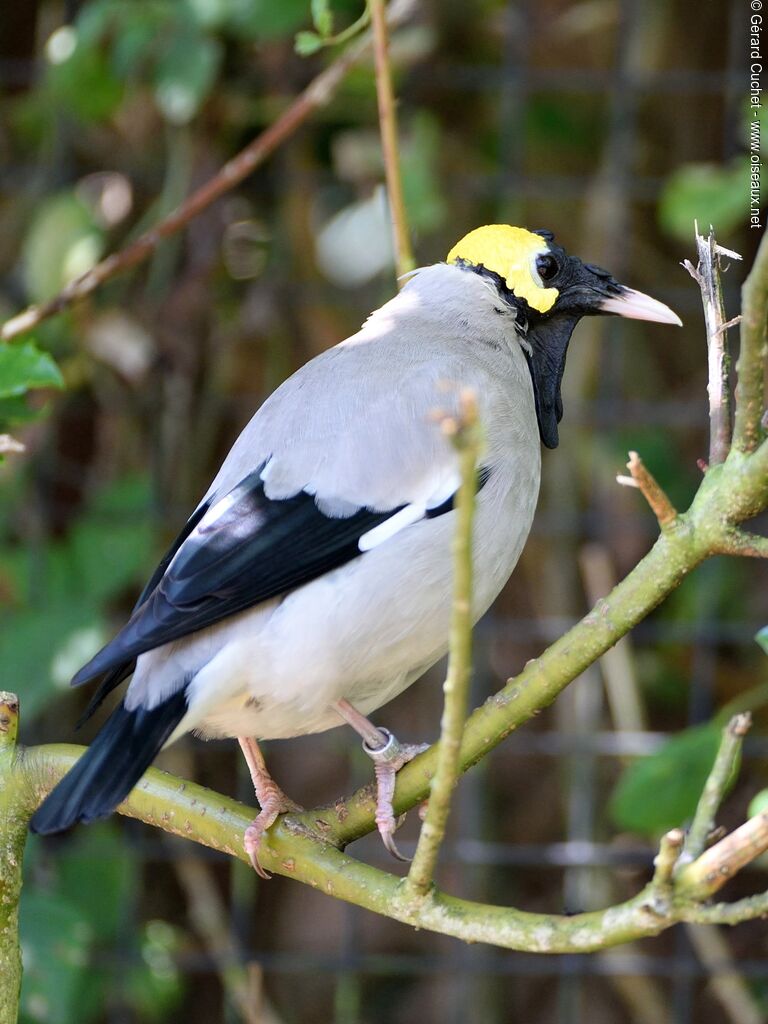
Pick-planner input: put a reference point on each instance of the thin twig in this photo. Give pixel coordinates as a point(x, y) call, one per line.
point(466, 436)
point(644, 480)
point(727, 984)
point(404, 261)
point(210, 920)
point(666, 859)
point(707, 276)
point(617, 666)
point(318, 94)
point(750, 369)
point(714, 788)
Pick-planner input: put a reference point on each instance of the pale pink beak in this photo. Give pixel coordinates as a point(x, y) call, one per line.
point(638, 306)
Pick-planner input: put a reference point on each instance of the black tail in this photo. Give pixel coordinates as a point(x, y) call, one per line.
point(110, 767)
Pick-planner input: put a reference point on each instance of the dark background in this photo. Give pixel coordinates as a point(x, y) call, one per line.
point(611, 122)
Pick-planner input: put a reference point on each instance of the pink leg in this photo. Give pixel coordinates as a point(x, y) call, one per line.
point(272, 801)
point(388, 756)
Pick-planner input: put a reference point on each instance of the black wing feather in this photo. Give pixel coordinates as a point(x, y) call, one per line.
point(254, 549)
point(111, 766)
point(121, 671)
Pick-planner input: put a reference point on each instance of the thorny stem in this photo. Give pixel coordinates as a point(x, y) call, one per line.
point(13, 833)
point(318, 94)
point(707, 276)
point(404, 261)
point(289, 849)
point(720, 776)
point(466, 435)
point(753, 355)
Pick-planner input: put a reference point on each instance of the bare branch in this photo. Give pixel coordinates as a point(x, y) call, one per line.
point(707, 275)
point(404, 261)
point(466, 435)
point(666, 859)
point(318, 94)
point(725, 764)
point(644, 480)
point(723, 860)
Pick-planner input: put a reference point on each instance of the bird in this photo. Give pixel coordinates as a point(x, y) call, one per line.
point(313, 582)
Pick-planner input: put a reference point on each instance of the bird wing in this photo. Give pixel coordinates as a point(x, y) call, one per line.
point(338, 472)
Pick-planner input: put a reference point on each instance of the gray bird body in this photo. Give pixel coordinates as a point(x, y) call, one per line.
point(314, 581)
point(355, 428)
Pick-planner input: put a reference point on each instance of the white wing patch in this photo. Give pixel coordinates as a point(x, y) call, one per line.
point(412, 513)
point(396, 523)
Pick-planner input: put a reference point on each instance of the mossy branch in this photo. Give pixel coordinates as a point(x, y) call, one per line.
point(749, 429)
point(290, 849)
point(13, 834)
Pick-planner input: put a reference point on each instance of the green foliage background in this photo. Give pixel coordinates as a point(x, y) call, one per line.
point(126, 402)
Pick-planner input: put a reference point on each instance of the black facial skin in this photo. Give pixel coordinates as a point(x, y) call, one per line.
point(581, 287)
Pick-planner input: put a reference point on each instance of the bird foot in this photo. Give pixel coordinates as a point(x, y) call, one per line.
point(272, 801)
point(388, 759)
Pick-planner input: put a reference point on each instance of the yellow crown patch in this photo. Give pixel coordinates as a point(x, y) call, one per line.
point(509, 252)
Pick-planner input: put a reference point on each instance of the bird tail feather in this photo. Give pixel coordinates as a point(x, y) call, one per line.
point(111, 766)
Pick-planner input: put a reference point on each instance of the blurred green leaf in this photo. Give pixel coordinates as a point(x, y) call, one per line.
point(758, 804)
point(705, 193)
point(14, 411)
point(62, 242)
point(23, 367)
point(661, 791)
point(98, 872)
point(56, 624)
point(308, 43)
point(322, 17)
point(265, 19)
point(55, 942)
point(70, 925)
point(156, 988)
point(185, 74)
point(79, 77)
point(422, 189)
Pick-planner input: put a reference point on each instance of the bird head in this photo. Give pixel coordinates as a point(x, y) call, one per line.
point(549, 292)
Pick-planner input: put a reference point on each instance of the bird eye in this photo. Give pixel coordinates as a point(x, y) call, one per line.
point(547, 266)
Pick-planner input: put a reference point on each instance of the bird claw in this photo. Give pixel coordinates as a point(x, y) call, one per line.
point(252, 841)
point(388, 759)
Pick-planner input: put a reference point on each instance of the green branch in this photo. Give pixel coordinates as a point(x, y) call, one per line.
point(750, 392)
point(13, 834)
point(466, 435)
point(726, 763)
point(186, 809)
